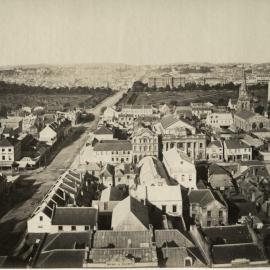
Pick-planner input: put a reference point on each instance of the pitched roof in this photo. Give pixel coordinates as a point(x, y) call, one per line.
point(61, 259)
point(130, 205)
point(215, 143)
point(168, 120)
point(172, 238)
point(103, 130)
point(245, 114)
point(113, 145)
point(122, 239)
point(203, 197)
point(7, 142)
point(169, 193)
point(111, 194)
point(72, 240)
point(75, 216)
point(234, 234)
point(175, 156)
point(222, 254)
point(235, 144)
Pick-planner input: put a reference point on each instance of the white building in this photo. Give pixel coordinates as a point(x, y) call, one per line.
point(180, 167)
point(152, 172)
point(236, 149)
point(137, 110)
point(214, 151)
point(113, 151)
point(219, 119)
point(49, 134)
point(167, 199)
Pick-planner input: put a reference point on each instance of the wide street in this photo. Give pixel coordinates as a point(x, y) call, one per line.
point(39, 181)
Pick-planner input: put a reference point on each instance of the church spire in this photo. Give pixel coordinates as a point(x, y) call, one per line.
point(243, 103)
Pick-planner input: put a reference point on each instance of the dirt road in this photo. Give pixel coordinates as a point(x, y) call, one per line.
point(36, 184)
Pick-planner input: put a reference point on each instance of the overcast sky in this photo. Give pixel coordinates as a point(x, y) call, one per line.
point(134, 32)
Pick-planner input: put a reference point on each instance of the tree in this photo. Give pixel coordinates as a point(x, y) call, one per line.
point(259, 109)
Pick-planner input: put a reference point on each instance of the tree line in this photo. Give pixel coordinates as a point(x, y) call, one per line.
point(13, 88)
point(139, 86)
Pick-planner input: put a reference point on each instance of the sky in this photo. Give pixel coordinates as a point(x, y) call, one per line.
point(133, 31)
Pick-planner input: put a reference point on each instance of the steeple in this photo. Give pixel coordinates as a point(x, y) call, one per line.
point(243, 102)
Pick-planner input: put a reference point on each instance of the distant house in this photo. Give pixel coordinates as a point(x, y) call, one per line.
point(208, 208)
point(10, 151)
point(13, 122)
point(79, 219)
point(236, 149)
point(137, 110)
point(103, 133)
point(106, 175)
point(250, 121)
point(214, 151)
point(221, 177)
point(53, 108)
point(50, 134)
point(113, 151)
point(180, 167)
point(219, 119)
point(61, 194)
point(109, 115)
point(130, 215)
point(124, 174)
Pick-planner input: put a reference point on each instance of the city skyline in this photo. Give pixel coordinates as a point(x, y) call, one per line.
point(129, 32)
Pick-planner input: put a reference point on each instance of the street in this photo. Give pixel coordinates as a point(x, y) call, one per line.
point(38, 182)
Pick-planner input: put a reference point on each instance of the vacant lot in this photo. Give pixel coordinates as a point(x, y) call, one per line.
point(220, 97)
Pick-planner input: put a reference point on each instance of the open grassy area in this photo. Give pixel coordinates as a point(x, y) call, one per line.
point(220, 97)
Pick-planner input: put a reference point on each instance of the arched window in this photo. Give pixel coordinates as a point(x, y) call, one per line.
point(261, 125)
point(254, 126)
point(188, 262)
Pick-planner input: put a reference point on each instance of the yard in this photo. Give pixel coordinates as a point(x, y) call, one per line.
point(220, 97)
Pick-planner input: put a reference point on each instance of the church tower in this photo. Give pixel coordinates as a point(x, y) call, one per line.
point(243, 102)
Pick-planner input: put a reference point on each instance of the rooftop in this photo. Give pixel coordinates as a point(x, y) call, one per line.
point(122, 239)
point(235, 144)
point(204, 196)
point(103, 130)
point(234, 234)
point(245, 114)
point(225, 254)
point(75, 216)
point(113, 145)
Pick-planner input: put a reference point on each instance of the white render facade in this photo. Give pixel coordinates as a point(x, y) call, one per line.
point(180, 168)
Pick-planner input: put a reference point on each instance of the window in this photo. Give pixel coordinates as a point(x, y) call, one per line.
point(3, 158)
point(174, 208)
point(190, 177)
point(86, 228)
point(3, 149)
point(208, 223)
point(208, 214)
point(73, 228)
point(201, 145)
point(188, 262)
point(9, 149)
point(163, 208)
point(220, 213)
point(60, 228)
point(112, 159)
point(40, 218)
